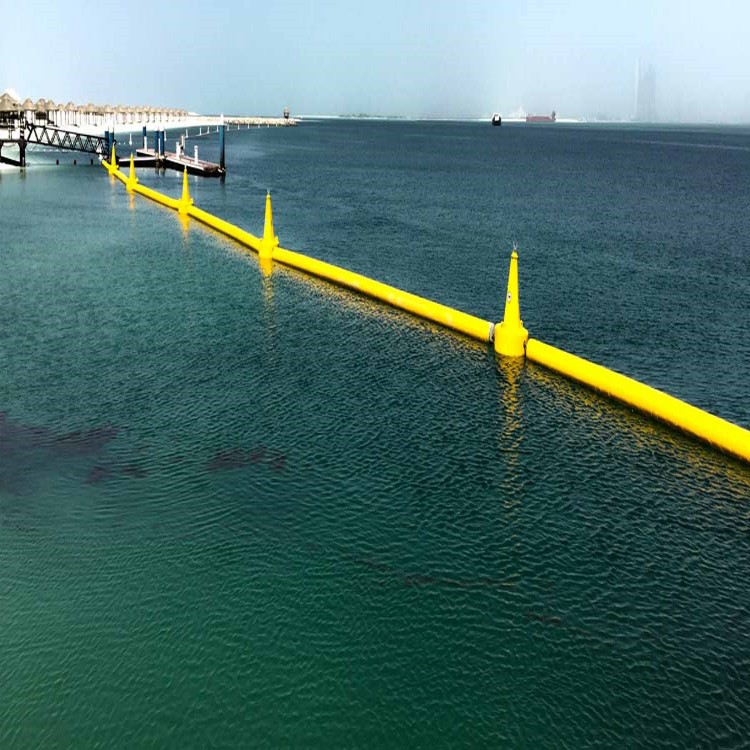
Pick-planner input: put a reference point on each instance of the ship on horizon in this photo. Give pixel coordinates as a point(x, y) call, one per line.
point(542, 118)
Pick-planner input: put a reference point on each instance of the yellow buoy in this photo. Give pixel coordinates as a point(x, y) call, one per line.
point(186, 201)
point(510, 335)
point(270, 240)
point(132, 179)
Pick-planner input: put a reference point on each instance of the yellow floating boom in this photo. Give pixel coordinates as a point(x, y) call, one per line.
point(510, 337)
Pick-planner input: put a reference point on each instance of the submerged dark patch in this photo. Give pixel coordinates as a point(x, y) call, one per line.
point(134, 470)
point(28, 450)
point(237, 458)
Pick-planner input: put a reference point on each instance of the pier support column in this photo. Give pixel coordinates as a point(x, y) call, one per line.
point(22, 149)
point(222, 128)
point(510, 335)
point(145, 138)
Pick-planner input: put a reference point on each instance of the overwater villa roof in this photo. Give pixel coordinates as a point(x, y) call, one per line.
point(9, 104)
point(27, 105)
point(41, 105)
point(10, 99)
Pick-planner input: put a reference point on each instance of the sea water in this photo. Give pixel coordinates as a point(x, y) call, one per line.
point(246, 510)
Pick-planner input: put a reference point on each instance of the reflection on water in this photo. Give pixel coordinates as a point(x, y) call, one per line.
point(646, 435)
point(511, 430)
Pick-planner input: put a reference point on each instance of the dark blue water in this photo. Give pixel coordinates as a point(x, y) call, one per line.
point(243, 510)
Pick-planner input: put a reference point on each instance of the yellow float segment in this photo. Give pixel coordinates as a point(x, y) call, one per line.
point(120, 176)
point(724, 435)
point(154, 195)
point(424, 308)
point(250, 240)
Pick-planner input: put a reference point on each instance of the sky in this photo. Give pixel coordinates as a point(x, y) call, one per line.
point(414, 58)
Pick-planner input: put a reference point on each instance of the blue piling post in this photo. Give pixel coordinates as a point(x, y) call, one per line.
point(221, 145)
point(163, 142)
point(144, 137)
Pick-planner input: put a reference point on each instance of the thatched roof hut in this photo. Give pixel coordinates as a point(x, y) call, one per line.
point(9, 104)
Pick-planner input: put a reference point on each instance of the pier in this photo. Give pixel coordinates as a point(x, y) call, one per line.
point(69, 127)
point(148, 157)
point(74, 128)
point(160, 158)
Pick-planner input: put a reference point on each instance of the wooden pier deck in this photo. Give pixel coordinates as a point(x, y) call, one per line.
point(170, 160)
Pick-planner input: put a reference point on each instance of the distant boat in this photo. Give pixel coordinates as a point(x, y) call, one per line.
point(542, 118)
point(496, 119)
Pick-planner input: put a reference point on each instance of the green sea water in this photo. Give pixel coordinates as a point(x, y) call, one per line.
point(240, 510)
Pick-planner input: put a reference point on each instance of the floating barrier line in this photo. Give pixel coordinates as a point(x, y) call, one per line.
point(510, 338)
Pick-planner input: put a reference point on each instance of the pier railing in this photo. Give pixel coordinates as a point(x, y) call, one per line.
point(49, 135)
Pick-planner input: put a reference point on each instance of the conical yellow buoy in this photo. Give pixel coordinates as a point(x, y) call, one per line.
point(510, 335)
point(113, 159)
point(186, 201)
point(132, 179)
point(270, 240)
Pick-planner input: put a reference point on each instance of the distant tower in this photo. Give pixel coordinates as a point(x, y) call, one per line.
point(286, 113)
point(645, 104)
point(636, 87)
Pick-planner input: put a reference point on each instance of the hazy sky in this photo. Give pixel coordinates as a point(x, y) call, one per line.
point(407, 57)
